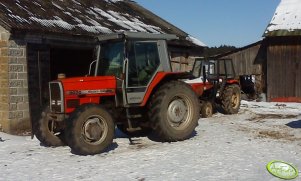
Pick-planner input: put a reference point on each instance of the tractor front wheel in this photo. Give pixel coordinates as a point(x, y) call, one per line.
point(90, 130)
point(49, 132)
point(206, 109)
point(174, 111)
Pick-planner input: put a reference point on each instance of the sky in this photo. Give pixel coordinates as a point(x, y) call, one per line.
point(217, 22)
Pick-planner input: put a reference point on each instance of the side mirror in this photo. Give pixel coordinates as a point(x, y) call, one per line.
point(90, 68)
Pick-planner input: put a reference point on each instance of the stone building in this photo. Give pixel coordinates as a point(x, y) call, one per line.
point(39, 39)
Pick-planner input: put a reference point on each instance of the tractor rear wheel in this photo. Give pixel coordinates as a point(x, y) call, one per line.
point(90, 130)
point(231, 98)
point(48, 131)
point(174, 111)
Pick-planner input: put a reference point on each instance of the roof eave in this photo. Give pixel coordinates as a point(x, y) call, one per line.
point(282, 33)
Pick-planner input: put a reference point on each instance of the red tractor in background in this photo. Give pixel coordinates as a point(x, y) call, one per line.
point(132, 87)
point(216, 85)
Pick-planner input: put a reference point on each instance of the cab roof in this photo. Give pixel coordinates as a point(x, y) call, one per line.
point(137, 35)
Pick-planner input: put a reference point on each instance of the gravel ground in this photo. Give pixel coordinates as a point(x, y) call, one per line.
point(225, 147)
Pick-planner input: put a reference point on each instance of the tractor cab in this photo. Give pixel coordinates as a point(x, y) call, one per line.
point(134, 59)
point(212, 70)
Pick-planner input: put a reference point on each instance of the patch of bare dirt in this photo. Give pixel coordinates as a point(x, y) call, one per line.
point(282, 134)
point(262, 117)
point(138, 144)
point(276, 135)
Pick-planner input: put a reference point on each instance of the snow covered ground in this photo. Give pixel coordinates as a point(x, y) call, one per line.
point(225, 147)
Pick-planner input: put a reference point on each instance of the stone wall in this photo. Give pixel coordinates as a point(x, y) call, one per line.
point(14, 107)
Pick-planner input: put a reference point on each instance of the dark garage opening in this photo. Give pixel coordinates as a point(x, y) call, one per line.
point(72, 62)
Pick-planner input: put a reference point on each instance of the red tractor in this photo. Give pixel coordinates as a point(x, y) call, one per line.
point(132, 87)
point(216, 85)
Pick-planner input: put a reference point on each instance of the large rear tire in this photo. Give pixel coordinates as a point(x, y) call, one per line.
point(90, 130)
point(48, 131)
point(174, 111)
point(231, 98)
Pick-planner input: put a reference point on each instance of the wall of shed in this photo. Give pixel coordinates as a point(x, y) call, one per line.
point(181, 63)
point(284, 69)
point(244, 61)
point(182, 59)
point(14, 107)
point(250, 61)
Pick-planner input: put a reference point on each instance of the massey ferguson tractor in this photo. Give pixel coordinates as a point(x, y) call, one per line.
point(131, 87)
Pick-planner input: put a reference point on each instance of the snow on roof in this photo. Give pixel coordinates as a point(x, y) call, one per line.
point(81, 17)
point(286, 20)
point(196, 41)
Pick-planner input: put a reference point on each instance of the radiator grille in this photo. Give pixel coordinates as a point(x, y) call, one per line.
point(56, 97)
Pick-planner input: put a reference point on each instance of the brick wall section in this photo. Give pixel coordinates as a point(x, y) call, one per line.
point(14, 107)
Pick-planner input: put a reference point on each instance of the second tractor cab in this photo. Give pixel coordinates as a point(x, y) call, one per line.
point(217, 86)
point(132, 87)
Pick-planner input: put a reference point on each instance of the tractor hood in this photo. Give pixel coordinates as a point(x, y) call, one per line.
point(69, 93)
point(89, 85)
point(88, 79)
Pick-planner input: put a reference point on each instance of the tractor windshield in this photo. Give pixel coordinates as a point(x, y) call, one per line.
point(111, 59)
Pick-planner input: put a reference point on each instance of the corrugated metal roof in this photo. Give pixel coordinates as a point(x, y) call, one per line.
point(82, 17)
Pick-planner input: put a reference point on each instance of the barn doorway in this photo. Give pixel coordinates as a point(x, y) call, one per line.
point(72, 62)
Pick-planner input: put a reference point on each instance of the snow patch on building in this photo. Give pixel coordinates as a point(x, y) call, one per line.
point(80, 18)
point(127, 22)
point(196, 41)
point(287, 16)
point(96, 28)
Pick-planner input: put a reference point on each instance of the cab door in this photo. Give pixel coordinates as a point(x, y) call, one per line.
point(143, 64)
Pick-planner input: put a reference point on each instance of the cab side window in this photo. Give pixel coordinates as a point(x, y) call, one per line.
point(143, 62)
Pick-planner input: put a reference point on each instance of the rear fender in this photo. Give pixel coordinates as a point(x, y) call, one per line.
point(233, 81)
point(160, 79)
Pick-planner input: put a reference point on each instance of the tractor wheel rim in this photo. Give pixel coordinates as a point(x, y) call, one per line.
point(53, 128)
point(235, 100)
point(178, 113)
point(95, 130)
point(208, 111)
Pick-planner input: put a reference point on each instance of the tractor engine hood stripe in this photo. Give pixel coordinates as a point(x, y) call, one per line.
point(87, 92)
